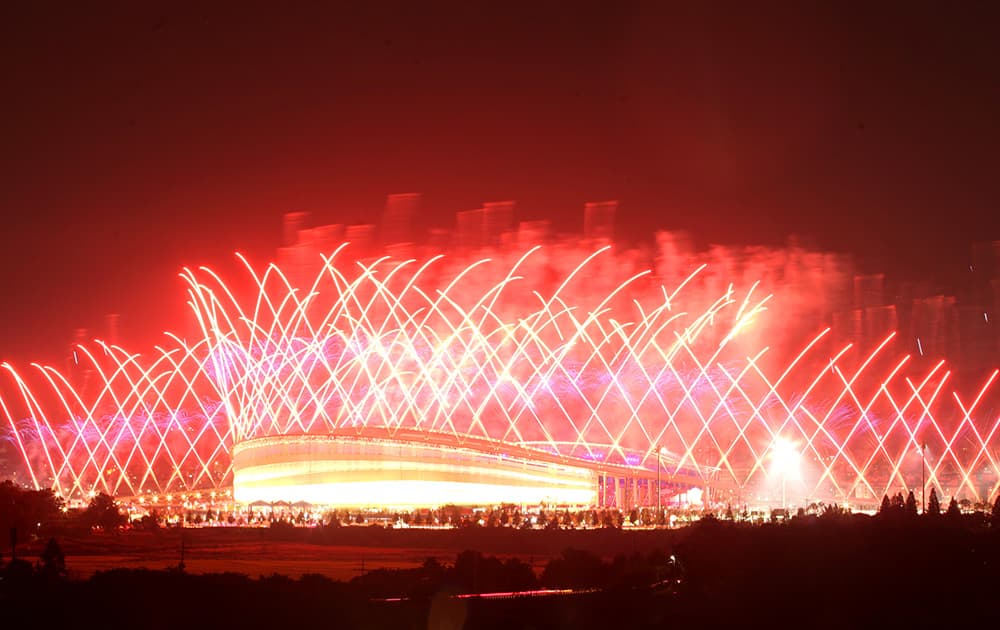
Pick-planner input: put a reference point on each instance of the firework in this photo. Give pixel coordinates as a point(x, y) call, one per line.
point(405, 382)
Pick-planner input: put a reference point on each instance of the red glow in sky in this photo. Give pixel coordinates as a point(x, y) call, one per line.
point(137, 140)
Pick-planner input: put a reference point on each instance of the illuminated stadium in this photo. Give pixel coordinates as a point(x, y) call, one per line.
point(557, 375)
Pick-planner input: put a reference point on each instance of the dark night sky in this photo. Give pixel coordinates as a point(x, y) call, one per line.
point(135, 141)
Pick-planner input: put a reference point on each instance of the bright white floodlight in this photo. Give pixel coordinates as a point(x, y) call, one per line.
point(785, 457)
point(785, 460)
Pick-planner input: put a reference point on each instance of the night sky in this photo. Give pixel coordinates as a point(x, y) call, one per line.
point(139, 140)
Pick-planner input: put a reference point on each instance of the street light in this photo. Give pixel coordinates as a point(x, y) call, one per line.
point(659, 451)
point(923, 479)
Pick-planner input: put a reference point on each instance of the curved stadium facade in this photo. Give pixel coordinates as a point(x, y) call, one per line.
point(537, 376)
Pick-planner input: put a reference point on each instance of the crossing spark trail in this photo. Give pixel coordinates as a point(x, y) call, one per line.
point(600, 375)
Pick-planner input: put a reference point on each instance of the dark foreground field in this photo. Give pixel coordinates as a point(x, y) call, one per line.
point(340, 554)
point(850, 571)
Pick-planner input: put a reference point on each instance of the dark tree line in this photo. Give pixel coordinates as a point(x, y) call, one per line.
point(898, 507)
point(104, 513)
point(27, 510)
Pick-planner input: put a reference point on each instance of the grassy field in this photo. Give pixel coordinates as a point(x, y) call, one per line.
point(341, 554)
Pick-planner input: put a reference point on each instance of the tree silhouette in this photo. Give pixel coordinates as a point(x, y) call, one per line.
point(553, 522)
point(151, 521)
point(26, 509)
point(933, 504)
point(995, 515)
point(953, 511)
point(911, 504)
point(52, 563)
point(886, 506)
point(834, 511)
point(103, 512)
